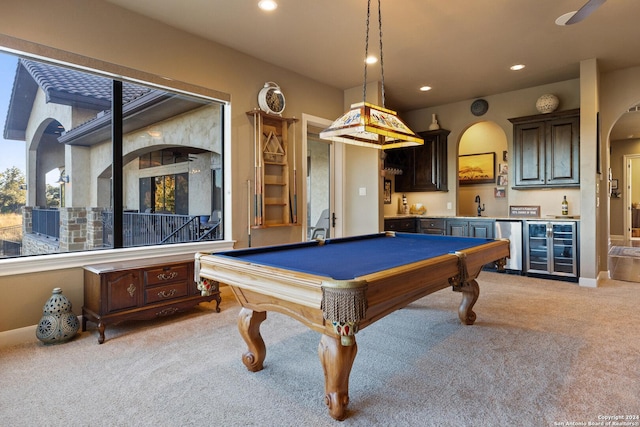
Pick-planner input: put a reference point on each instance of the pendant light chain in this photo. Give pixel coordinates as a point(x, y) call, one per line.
point(381, 56)
point(366, 53)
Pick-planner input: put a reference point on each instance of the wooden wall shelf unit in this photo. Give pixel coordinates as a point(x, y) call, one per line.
point(274, 205)
point(140, 290)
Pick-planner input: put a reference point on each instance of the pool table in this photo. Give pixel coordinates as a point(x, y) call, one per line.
point(339, 286)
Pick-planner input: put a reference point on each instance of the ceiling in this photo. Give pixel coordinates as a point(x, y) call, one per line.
point(461, 48)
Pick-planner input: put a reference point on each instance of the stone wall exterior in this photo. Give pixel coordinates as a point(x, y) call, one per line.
point(73, 229)
point(80, 229)
point(33, 244)
point(94, 233)
point(27, 220)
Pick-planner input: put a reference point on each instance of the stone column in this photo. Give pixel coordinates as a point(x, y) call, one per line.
point(95, 238)
point(73, 229)
point(27, 220)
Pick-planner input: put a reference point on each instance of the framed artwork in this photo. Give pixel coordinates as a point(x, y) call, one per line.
point(499, 192)
point(503, 169)
point(387, 192)
point(477, 169)
point(503, 180)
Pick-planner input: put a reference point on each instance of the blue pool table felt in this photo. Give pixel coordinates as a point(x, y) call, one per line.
point(348, 258)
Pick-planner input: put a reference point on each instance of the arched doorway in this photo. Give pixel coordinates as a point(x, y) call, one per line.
point(624, 176)
point(480, 139)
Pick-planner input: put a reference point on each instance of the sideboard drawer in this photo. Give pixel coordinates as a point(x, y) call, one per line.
point(166, 292)
point(171, 273)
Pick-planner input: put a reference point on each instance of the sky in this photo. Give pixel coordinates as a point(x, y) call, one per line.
point(12, 153)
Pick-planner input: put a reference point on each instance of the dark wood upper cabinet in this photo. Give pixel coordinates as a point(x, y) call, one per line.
point(424, 167)
point(546, 150)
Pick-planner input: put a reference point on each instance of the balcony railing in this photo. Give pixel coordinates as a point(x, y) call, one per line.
point(142, 229)
point(10, 241)
point(46, 222)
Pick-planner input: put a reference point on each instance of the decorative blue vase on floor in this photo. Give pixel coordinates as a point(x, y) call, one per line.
point(58, 323)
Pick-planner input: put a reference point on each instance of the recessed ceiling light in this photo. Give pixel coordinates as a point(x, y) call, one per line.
point(267, 5)
point(425, 88)
point(371, 59)
point(517, 67)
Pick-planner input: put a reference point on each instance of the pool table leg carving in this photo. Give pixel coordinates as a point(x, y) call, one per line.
point(249, 322)
point(470, 292)
point(337, 361)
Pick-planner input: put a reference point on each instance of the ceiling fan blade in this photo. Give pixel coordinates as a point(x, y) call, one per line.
point(586, 10)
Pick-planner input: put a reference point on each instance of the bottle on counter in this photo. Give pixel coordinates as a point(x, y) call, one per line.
point(565, 206)
point(405, 206)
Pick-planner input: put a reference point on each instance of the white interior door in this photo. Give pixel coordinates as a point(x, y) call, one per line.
point(631, 194)
point(321, 216)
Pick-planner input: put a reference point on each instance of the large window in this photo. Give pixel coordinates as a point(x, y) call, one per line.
point(71, 156)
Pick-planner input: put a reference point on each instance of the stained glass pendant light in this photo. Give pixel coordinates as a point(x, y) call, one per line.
point(370, 125)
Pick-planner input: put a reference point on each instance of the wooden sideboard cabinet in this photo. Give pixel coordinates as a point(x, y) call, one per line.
point(140, 290)
point(546, 150)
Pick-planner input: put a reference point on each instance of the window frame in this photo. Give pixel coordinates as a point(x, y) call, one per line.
point(45, 262)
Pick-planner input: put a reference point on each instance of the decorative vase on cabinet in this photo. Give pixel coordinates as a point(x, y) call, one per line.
point(547, 103)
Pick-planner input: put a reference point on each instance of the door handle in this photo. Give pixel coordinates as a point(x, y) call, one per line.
point(333, 219)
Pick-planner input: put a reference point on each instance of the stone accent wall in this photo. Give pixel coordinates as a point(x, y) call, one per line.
point(33, 244)
point(27, 220)
point(73, 229)
point(37, 245)
point(80, 229)
point(94, 228)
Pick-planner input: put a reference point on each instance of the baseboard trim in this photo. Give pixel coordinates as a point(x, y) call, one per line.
point(589, 282)
point(18, 336)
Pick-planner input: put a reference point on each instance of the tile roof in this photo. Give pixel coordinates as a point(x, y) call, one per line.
point(61, 84)
point(79, 89)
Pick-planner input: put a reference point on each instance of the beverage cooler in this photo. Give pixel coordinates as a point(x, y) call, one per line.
point(551, 248)
point(511, 229)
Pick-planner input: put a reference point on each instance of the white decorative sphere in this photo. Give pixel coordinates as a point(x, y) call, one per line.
point(547, 103)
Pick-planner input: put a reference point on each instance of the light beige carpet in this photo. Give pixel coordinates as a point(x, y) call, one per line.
point(541, 352)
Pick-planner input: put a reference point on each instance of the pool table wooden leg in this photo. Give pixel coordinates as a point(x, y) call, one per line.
point(470, 292)
point(249, 325)
point(337, 361)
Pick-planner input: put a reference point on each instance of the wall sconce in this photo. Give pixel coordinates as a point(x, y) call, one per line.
point(64, 179)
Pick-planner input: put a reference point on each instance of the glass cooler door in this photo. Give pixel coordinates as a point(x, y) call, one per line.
point(564, 242)
point(537, 249)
